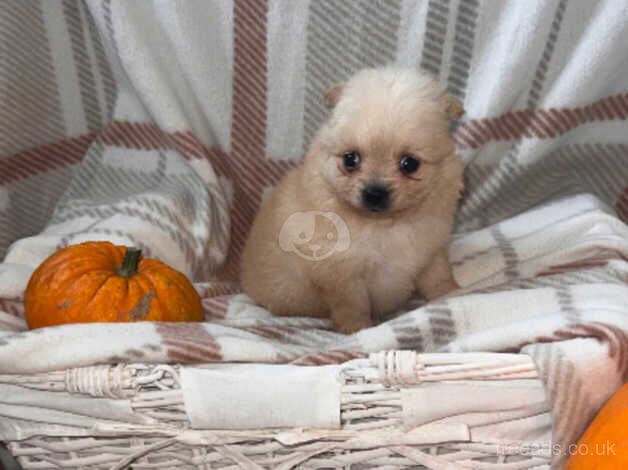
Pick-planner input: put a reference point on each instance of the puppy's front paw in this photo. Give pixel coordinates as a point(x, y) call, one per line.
point(349, 306)
point(436, 280)
point(348, 326)
point(443, 289)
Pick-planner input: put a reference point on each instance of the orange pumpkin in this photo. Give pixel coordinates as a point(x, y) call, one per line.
point(604, 445)
point(101, 282)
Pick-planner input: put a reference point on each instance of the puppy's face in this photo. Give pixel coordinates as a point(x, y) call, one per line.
point(387, 143)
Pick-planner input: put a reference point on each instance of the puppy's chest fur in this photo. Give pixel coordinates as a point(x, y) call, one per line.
point(373, 247)
point(388, 259)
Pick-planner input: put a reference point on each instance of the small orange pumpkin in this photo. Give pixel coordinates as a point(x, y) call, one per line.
point(604, 445)
point(101, 282)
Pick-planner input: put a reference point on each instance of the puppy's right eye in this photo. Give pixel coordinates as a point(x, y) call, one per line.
point(351, 161)
point(408, 164)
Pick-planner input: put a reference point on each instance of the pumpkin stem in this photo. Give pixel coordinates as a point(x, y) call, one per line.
point(130, 262)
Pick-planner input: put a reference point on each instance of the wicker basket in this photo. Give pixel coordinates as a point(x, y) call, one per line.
point(136, 416)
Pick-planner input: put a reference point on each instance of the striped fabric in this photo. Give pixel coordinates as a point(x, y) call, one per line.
point(162, 125)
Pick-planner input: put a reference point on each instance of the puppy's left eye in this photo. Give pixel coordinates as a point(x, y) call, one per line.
point(408, 164)
point(351, 161)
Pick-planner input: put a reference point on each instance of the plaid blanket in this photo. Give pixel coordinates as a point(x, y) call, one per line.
point(161, 125)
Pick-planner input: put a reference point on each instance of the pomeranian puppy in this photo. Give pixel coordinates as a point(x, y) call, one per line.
point(364, 222)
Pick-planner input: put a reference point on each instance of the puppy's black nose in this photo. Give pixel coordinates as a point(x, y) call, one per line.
point(376, 197)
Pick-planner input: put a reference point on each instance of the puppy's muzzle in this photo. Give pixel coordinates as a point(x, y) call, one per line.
point(376, 197)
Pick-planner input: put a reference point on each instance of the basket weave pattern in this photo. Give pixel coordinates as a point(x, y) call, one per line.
point(372, 432)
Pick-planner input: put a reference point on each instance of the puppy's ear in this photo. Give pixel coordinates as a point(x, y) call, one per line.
point(453, 107)
point(332, 95)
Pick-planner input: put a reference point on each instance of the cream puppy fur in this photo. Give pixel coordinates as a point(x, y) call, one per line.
point(364, 222)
